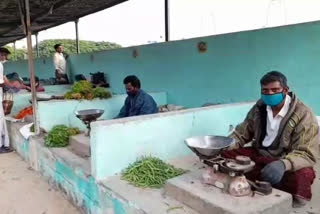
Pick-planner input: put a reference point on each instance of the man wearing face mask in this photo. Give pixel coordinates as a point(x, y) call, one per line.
point(138, 102)
point(285, 139)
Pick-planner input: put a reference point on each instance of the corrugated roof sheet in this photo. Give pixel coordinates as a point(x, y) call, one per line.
point(45, 14)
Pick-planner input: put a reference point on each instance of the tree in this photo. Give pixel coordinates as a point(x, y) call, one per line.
point(18, 54)
point(69, 47)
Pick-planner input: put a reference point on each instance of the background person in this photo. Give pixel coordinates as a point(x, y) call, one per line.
point(60, 65)
point(138, 102)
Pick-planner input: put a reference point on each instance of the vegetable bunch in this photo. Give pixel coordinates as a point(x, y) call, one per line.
point(59, 136)
point(101, 93)
point(73, 131)
point(150, 172)
point(82, 86)
point(84, 90)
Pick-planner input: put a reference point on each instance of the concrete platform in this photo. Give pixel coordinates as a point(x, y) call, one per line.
point(147, 200)
point(192, 163)
point(80, 145)
point(153, 201)
point(206, 199)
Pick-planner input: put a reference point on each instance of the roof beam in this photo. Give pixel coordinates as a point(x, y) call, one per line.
point(9, 36)
point(9, 24)
point(22, 16)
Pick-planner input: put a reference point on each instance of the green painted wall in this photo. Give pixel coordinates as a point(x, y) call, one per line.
point(228, 72)
point(43, 68)
point(69, 173)
point(117, 143)
point(80, 188)
point(64, 109)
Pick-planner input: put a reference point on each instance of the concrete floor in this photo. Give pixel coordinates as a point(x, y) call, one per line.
point(22, 190)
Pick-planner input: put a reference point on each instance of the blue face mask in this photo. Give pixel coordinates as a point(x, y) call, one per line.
point(272, 99)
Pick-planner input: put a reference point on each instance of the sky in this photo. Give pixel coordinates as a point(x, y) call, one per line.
point(137, 22)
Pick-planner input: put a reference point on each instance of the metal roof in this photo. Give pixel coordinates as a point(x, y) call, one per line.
point(44, 14)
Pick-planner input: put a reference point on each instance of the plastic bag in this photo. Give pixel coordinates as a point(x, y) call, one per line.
point(24, 112)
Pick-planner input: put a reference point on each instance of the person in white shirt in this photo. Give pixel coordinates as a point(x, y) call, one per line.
point(4, 137)
point(60, 65)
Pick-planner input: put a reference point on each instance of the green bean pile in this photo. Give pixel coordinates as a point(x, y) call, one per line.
point(150, 172)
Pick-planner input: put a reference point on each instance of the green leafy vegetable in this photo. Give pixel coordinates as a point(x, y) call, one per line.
point(83, 87)
point(150, 172)
point(99, 92)
point(84, 90)
point(68, 95)
point(73, 131)
point(59, 136)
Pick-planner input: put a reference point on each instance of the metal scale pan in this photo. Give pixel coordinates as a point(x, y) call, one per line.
point(208, 146)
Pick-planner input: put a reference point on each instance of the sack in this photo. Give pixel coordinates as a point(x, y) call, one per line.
point(99, 80)
point(79, 77)
point(7, 103)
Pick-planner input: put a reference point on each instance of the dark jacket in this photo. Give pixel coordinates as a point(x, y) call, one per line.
point(297, 142)
point(141, 104)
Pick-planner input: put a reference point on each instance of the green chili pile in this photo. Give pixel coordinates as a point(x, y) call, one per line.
point(59, 136)
point(150, 172)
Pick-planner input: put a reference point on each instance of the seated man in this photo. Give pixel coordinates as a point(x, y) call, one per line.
point(285, 139)
point(39, 88)
point(138, 102)
point(13, 83)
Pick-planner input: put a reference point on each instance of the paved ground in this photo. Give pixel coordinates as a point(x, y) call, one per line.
point(23, 191)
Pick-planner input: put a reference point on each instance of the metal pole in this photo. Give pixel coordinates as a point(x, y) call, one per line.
point(14, 51)
point(31, 68)
point(37, 46)
point(166, 19)
point(77, 37)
